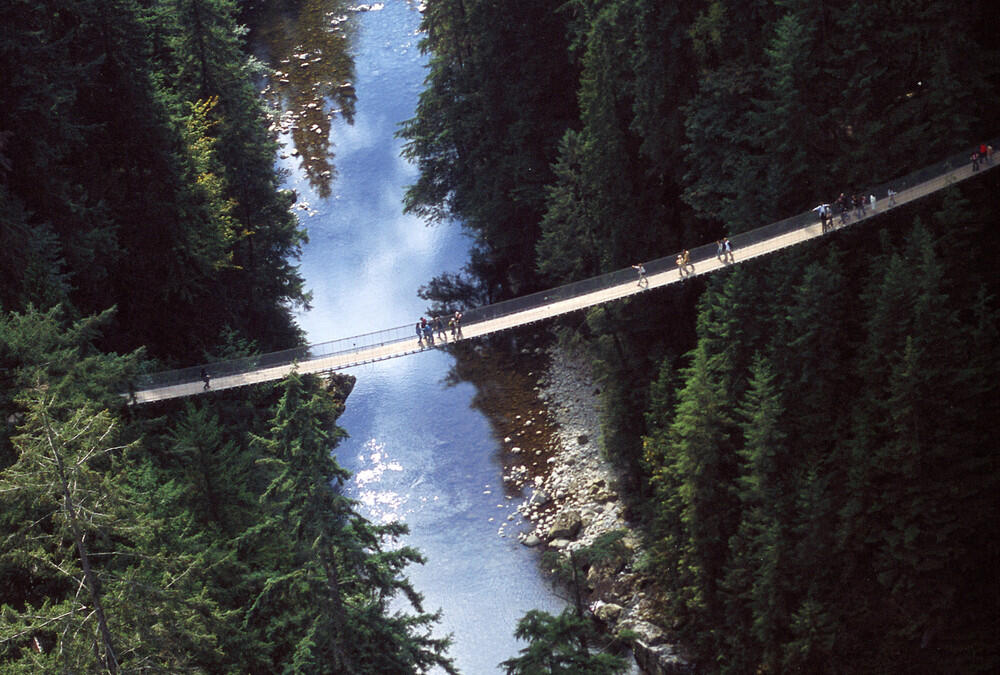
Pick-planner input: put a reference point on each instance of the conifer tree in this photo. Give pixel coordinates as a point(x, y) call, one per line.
point(703, 433)
point(755, 582)
point(914, 472)
point(333, 594)
point(569, 219)
point(788, 119)
point(660, 464)
point(558, 646)
point(496, 103)
point(212, 473)
point(724, 166)
point(665, 73)
point(111, 604)
point(262, 235)
point(812, 342)
point(30, 266)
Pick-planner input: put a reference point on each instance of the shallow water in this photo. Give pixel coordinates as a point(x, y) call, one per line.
point(419, 451)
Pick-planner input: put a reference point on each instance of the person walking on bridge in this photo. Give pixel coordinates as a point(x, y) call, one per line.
point(684, 266)
point(729, 250)
point(844, 207)
point(642, 275)
point(205, 378)
point(821, 210)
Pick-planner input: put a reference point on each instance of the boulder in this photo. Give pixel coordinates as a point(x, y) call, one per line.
point(341, 385)
point(566, 525)
point(607, 570)
point(604, 496)
point(531, 540)
point(661, 659)
point(607, 612)
point(539, 498)
point(646, 633)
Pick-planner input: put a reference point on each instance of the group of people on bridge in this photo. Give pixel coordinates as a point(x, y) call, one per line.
point(685, 267)
point(844, 205)
point(427, 329)
point(983, 154)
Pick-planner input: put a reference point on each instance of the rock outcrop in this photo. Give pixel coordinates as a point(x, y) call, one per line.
point(577, 500)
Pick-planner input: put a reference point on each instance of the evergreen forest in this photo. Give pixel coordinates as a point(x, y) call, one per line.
point(808, 438)
point(142, 227)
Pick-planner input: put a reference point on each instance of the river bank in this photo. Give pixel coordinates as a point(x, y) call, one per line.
point(572, 498)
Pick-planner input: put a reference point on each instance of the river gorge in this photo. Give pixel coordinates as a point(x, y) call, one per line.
point(420, 450)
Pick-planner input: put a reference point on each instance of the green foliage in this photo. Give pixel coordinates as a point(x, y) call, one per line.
point(608, 203)
point(141, 213)
point(812, 404)
point(617, 367)
point(571, 568)
point(793, 467)
point(569, 221)
point(860, 471)
point(333, 591)
point(817, 475)
point(29, 258)
point(89, 546)
point(559, 645)
point(44, 349)
point(124, 186)
point(496, 102)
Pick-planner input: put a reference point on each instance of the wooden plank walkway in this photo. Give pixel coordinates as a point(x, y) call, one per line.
point(380, 352)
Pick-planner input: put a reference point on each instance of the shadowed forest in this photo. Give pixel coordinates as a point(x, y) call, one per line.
point(808, 437)
point(142, 226)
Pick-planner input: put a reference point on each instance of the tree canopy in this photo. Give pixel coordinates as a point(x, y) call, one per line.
point(807, 436)
point(142, 225)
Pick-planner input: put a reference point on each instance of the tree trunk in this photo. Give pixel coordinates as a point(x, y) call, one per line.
point(110, 658)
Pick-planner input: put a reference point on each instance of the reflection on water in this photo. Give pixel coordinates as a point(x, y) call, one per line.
point(381, 505)
point(312, 81)
point(423, 455)
point(419, 452)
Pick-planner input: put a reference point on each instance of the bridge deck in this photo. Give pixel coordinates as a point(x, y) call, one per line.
point(403, 347)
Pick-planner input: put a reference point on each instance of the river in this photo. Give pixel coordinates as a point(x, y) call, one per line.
point(418, 450)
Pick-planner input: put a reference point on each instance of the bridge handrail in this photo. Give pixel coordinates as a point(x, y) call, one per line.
point(524, 303)
point(707, 251)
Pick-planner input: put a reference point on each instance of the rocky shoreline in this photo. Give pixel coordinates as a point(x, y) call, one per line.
point(574, 499)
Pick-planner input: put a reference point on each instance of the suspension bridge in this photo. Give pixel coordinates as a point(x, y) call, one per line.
point(402, 340)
